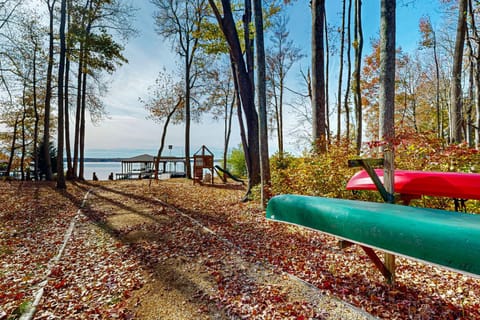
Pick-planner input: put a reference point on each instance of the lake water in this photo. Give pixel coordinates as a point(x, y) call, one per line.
point(102, 169)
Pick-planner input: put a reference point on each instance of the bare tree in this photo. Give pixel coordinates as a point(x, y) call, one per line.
point(429, 40)
point(165, 105)
point(181, 21)
point(280, 59)
point(7, 9)
point(222, 98)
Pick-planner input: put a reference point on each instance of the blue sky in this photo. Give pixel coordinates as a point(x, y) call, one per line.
point(127, 127)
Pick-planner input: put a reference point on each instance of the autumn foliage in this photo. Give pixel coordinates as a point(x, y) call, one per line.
point(327, 174)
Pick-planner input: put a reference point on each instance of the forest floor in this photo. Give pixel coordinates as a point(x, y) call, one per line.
point(174, 250)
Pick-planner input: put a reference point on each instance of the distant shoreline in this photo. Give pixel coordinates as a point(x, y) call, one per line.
point(101, 159)
point(120, 160)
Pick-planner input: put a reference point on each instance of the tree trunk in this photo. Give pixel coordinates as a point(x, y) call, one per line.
point(164, 134)
point(37, 115)
point(24, 142)
point(437, 88)
point(327, 74)
point(228, 130)
point(280, 115)
point(262, 102)
point(82, 128)
point(13, 147)
point(61, 74)
point(187, 112)
point(358, 45)
point(70, 172)
point(227, 25)
point(249, 49)
point(471, 98)
point(48, 93)
point(387, 103)
point(318, 77)
point(340, 74)
point(349, 72)
point(456, 114)
point(243, 133)
point(78, 112)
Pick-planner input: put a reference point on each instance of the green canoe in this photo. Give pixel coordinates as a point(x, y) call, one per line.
point(444, 238)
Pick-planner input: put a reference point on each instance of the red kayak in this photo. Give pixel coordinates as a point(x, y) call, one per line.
point(416, 183)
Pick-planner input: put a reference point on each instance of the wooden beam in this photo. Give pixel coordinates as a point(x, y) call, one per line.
point(353, 163)
point(379, 264)
point(387, 268)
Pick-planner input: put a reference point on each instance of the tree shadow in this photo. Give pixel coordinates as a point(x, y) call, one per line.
point(280, 248)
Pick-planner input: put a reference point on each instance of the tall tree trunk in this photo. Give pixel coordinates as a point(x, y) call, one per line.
point(249, 48)
point(327, 74)
point(318, 77)
point(243, 132)
point(61, 74)
point(24, 138)
point(358, 46)
point(187, 116)
point(280, 113)
point(340, 74)
point(471, 98)
point(437, 88)
point(37, 115)
point(228, 132)
point(349, 72)
point(68, 147)
point(456, 114)
point(78, 112)
point(48, 93)
point(82, 128)
point(262, 101)
point(387, 103)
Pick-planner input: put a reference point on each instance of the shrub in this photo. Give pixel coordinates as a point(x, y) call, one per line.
point(327, 174)
point(236, 162)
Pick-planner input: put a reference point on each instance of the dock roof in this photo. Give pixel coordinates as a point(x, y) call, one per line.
point(140, 158)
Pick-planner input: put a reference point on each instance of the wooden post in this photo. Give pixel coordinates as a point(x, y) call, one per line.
point(387, 268)
point(387, 101)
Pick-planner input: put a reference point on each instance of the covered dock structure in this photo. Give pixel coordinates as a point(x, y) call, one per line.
point(143, 166)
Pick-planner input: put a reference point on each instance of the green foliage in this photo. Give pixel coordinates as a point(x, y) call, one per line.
point(316, 175)
point(236, 162)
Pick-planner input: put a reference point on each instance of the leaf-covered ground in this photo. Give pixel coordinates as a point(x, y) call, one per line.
point(174, 250)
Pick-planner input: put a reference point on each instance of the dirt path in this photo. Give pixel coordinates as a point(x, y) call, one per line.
point(194, 272)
